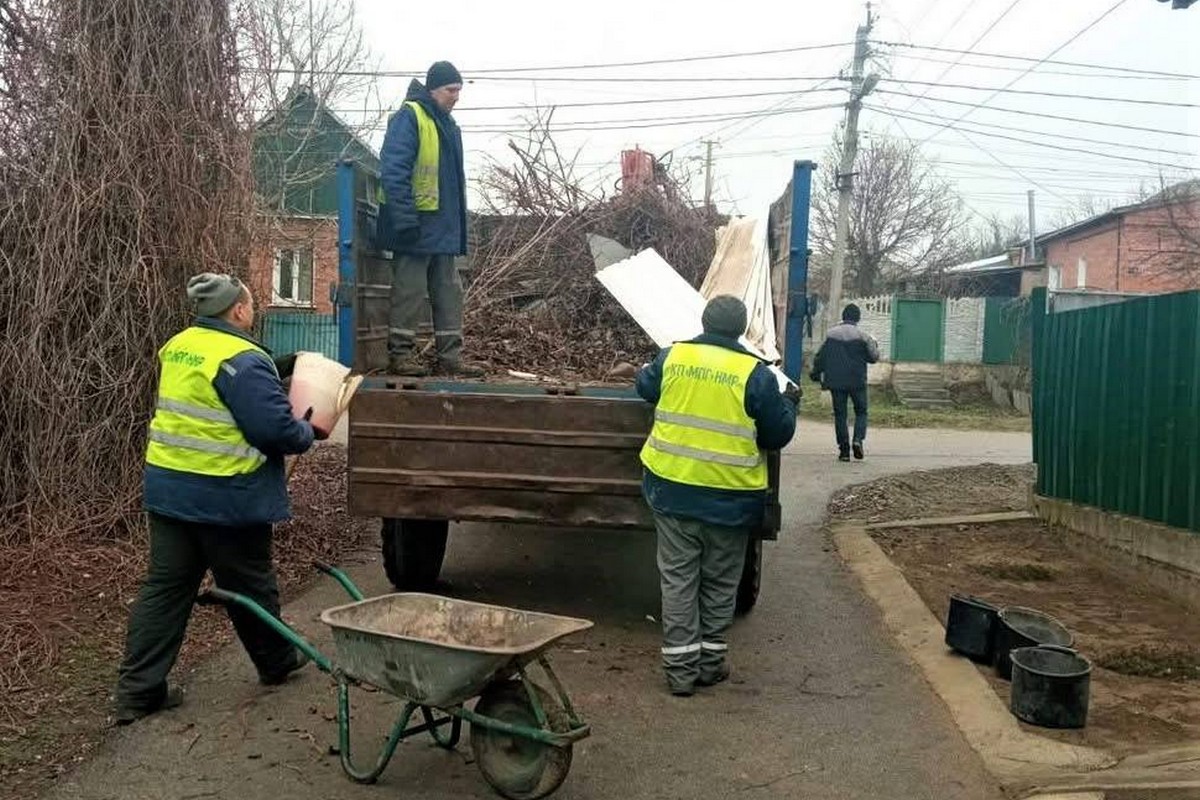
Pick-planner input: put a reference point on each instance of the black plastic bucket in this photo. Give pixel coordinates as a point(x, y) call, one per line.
point(971, 627)
point(1024, 627)
point(1050, 686)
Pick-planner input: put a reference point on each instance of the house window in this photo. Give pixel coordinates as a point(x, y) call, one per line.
point(1054, 280)
point(1081, 273)
point(293, 277)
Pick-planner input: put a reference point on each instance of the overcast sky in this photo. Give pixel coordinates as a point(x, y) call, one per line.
point(754, 155)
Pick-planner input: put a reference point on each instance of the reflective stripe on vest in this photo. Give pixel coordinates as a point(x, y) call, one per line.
point(192, 430)
point(702, 435)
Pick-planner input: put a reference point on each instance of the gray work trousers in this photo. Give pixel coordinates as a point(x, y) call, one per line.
point(700, 566)
point(414, 278)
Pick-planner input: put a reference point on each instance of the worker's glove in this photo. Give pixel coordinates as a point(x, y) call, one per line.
point(319, 434)
point(793, 393)
point(406, 237)
point(285, 366)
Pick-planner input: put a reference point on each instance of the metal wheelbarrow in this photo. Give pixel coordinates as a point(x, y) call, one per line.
point(437, 653)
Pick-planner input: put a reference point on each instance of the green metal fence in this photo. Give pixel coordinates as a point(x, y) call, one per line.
point(292, 331)
point(1116, 416)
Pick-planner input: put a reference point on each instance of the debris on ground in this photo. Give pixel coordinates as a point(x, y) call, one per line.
point(63, 614)
point(982, 489)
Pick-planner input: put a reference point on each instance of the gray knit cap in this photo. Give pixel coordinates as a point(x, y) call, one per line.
point(212, 294)
point(725, 315)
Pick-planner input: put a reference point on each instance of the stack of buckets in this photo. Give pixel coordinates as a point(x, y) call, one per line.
point(1050, 681)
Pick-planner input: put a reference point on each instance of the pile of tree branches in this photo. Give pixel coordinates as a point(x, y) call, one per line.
point(533, 303)
point(125, 169)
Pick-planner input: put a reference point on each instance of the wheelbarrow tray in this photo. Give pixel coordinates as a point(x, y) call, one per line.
point(437, 651)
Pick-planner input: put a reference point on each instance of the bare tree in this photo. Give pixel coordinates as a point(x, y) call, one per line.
point(905, 219)
point(996, 233)
point(300, 59)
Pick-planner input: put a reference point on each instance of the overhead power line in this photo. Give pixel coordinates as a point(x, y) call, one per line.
point(1011, 57)
point(1162, 150)
point(954, 125)
point(1043, 114)
point(970, 48)
point(569, 67)
point(1112, 76)
point(1035, 93)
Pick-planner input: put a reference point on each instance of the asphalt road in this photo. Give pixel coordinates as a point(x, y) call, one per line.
point(821, 705)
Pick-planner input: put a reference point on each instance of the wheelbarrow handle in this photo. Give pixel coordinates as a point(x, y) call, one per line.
point(340, 577)
point(216, 597)
point(220, 597)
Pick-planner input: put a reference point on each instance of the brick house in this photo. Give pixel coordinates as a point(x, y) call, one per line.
point(294, 258)
point(1151, 247)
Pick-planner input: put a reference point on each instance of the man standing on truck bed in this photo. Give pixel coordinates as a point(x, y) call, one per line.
point(841, 367)
point(423, 221)
point(717, 407)
point(214, 484)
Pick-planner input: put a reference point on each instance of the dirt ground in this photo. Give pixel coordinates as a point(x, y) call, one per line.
point(62, 627)
point(1145, 688)
point(981, 489)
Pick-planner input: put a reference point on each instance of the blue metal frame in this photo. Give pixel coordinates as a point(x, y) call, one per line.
point(344, 296)
point(797, 288)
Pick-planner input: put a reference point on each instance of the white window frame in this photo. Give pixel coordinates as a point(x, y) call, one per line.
point(1081, 273)
point(1054, 278)
point(292, 302)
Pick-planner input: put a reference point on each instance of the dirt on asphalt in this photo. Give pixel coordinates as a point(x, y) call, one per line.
point(1143, 643)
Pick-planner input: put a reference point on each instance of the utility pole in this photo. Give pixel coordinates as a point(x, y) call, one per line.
point(1032, 232)
point(860, 87)
point(708, 171)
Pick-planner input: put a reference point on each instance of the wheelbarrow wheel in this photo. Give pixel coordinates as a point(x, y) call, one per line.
point(516, 767)
point(413, 551)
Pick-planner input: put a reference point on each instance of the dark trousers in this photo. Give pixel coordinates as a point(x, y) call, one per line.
point(180, 553)
point(840, 418)
point(413, 279)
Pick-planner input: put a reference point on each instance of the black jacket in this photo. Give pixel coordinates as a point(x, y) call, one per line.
point(841, 363)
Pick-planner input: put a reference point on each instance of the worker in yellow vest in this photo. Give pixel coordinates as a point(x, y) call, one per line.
point(214, 485)
point(717, 407)
point(423, 222)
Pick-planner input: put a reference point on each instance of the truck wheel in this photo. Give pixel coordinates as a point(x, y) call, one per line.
point(413, 550)
point(747, 593)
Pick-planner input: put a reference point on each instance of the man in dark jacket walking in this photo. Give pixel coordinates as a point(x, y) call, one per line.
point(841, 367)
point(717, 407)
point(214, 484)
point(423, 221)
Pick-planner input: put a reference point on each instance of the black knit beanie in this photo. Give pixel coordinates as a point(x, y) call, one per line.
point(442, 73)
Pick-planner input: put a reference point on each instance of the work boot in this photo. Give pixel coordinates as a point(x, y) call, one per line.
point(172, 698)
point(719, 675)
point(844, 456)
point(681, 689)
point(858, 451)
point(299, 660)
point(407, 366)
point(460, 369)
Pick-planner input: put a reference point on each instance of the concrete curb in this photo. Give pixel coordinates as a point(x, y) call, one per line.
point(966, 519)
point(1008, 752)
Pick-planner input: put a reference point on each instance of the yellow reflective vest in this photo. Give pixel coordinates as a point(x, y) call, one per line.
point(426, 194)
point(192, 429)
point(702, 435)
